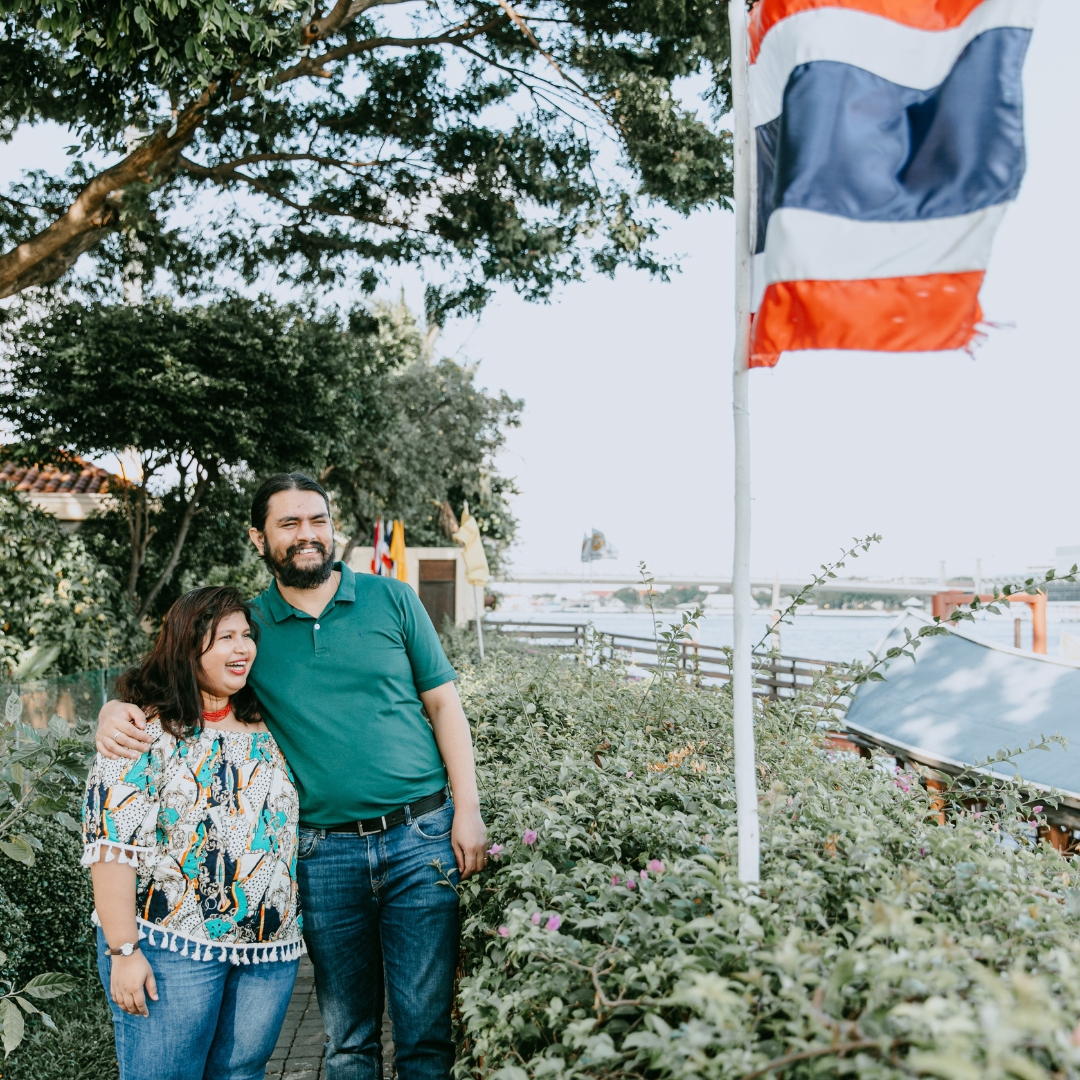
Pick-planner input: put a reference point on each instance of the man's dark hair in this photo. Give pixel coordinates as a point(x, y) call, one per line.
point(286, 481)
point(167, 682)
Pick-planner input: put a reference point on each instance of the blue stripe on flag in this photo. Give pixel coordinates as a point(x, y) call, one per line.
point(853, 144)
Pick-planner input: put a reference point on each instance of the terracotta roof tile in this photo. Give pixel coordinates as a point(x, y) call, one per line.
point(76, 476)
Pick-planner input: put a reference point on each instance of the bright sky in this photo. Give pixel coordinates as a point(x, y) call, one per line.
point(627, 384)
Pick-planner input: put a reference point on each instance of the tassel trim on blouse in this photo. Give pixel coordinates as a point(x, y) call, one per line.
point(257, 953)
point(108, 850)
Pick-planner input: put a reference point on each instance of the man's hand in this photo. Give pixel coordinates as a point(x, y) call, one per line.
point(469, 836)
point(120, 731)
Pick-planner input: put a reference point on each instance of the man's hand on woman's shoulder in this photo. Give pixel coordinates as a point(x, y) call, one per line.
point(120, 731)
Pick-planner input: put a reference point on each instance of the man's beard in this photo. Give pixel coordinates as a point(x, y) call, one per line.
point(300, 577)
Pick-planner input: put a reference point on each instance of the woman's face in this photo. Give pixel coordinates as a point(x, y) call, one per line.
point(226, 661)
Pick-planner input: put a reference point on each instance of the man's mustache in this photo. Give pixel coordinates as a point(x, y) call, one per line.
point(295, 548)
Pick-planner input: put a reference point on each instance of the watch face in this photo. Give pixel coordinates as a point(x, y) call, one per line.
point(127, 949)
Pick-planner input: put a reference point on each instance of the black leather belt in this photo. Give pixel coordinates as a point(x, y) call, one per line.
point(388, 821)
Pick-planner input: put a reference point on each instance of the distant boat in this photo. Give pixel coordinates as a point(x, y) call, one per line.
point(963, 700)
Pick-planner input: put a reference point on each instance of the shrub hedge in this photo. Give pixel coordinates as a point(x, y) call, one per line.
point(613, 939)
point(55, 898)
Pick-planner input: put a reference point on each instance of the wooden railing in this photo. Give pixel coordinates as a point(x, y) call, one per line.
point(774, 676)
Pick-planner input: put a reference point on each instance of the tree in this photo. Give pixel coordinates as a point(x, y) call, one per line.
point(503, 142)
point(60, 610)
point(422, 435)
point(203, 394)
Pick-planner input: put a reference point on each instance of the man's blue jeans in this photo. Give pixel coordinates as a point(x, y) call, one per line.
point(212, 1021)
point(379, 907)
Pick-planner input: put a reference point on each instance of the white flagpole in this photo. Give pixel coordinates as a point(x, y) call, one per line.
point(742, 687)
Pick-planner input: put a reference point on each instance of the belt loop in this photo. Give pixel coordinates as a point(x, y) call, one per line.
point(384, 823)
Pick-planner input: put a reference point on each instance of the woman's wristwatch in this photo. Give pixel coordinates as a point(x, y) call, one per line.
point(125, 950)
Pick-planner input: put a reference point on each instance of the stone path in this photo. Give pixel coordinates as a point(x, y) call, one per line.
point(299, 1051)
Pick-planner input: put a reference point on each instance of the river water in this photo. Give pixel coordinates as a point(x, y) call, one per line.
point(819, 636)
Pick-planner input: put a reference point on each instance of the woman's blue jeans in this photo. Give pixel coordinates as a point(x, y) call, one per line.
point(212, 1021)
point(380, 907)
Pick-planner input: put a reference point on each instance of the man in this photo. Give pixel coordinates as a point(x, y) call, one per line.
point(347, 667)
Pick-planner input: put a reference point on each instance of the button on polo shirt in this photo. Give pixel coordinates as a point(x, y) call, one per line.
point(341, 694)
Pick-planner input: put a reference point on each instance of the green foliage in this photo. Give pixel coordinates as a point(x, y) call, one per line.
point(879, 944)
point(665, 600)
point(201, 392)
point(215, 397)
point(61, 610)
point(83, 1047)
point(421, 434)
point(17, 1005)
point(37, 772)
point(506, 144)
point(55, 897)
point(14, 933)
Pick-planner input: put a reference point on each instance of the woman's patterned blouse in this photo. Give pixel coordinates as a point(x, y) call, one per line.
point(210, 823)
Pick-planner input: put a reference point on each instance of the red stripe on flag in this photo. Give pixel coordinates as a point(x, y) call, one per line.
point(903, 314)
point(921, 14)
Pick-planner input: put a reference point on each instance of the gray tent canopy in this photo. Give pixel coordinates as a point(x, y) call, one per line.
point(963, 700)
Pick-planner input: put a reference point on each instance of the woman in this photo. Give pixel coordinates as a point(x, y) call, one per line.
point(192, 850)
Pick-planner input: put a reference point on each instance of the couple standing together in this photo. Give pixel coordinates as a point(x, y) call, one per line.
point(323, 794)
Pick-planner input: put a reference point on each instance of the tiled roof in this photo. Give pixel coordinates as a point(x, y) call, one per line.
point(76, 476)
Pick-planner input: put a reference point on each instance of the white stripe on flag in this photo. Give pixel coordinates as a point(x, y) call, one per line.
point(904, 55)
point(803, 245)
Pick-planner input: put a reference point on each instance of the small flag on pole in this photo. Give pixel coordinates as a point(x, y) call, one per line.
point(889, 141)
point(389, 550)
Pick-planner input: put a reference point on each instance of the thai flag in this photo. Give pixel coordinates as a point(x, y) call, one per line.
point(889, 141)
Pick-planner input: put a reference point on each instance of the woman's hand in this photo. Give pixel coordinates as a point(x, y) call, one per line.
point(131, 981)
point(120, 731)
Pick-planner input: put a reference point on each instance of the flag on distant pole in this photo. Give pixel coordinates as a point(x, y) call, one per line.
point(889, 141)
point(389, 550)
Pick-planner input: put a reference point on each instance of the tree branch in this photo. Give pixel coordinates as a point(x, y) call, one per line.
point(806, 1055)
point(95, 211)
point(190, 510)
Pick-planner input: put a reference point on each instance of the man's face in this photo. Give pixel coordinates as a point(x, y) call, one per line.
point(298, 544)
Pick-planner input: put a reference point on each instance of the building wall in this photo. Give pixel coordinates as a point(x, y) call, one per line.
point(464, 598)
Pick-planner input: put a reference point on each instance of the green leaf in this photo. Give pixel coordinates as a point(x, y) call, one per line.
point(48, 1021)
point(50, 985)
point(13, 708)
point(59, 727)
point(69, 822)
point(19, 850)
point(13, 1025)
point(26, 1006)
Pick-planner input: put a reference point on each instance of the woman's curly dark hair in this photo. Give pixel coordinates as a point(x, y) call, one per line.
point(166, 683)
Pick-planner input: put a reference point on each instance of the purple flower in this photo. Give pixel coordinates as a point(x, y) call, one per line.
point(536, 918)
point(495, 850)
point(614, 879)
point(629, 774)
point(644, 876)
point(631, 884)
point(503, 932)
point(1036, 809)
point(656, 866)
point(530, 837)
point(553, 923)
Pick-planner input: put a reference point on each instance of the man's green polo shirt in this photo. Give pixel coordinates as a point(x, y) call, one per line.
point(341, 695)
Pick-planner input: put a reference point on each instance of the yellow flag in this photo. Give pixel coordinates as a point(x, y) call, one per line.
point(476, 566)
point(397, 551)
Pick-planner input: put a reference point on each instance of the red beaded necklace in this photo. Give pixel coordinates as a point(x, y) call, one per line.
point(218, 714)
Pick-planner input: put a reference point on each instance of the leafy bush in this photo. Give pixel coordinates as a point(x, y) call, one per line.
point(13, 937)
point(55, 897)
point(56, 599)
point(612, 938)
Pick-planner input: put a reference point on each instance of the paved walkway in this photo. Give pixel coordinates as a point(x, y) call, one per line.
point(299, 1051)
